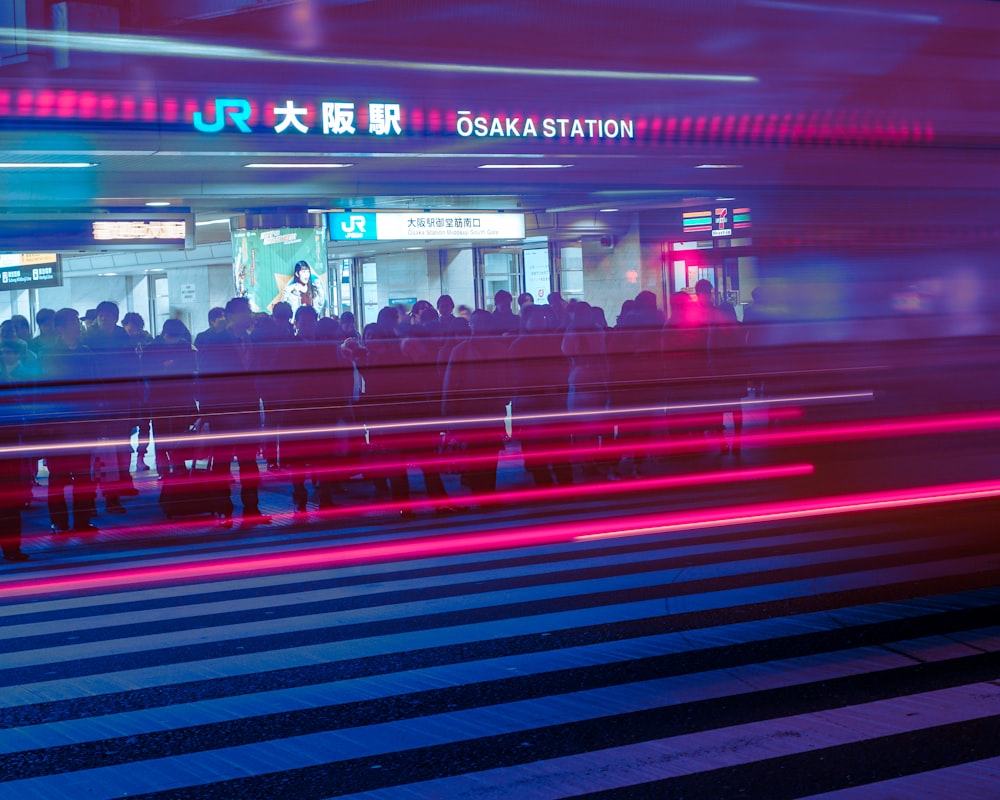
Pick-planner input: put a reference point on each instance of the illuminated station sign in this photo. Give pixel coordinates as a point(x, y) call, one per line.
point(718, 221)
point(347, 118)
point(397, 226)
point(29, 271)
point(97, 230)
point(374, 118)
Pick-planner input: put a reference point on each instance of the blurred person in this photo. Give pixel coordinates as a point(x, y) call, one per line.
point(170, 364)
point(384, 403)
point(423, 313)
point(307, 364)
point(22, 328)
point(281, 313)
point(464, 312)
point(635, 363)
point(344, 389)
point(756, 317)
point(229, 398)
point(10, 331)
point(721, 332)
point(117, 365)
point(270, 337)
point(135, 327)
point(14, 367)
point(584, 344)
point(475, 394)
point(323, 383)
point(89, 320)
point(69, 405)
point(216, 325)
point(47, 336)
point(348, 325)
point(524, 300)
point(16, 387)
point(424, 382)
point(558, 307)
point(755, 312)
point(446, 313)
point(685, 364)
point(727, 359)
point(505, 321)
point(627, 312)
point(540, 382)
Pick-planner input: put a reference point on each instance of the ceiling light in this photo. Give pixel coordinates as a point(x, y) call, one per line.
point(525, 166)
point(724, 199)
point(47, 165)
point(719, 166)
point(414, 248)
point(212, 222)
point(158, 203)
point(785, 5)
point(268, 165)
point(606, 210)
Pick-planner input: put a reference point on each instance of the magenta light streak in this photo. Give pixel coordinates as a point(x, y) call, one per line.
point(484, 541)
point(547, 494)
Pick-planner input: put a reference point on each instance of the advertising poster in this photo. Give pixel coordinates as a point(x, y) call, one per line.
point(537, 280)
point(264, 268)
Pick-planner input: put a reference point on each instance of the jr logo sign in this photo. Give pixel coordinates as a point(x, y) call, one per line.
point(354, 227)
point(236, 108)
point(345, 225)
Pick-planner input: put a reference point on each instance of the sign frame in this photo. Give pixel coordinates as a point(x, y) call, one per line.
point(81, 232)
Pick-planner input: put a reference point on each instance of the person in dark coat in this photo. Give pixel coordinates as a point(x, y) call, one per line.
point(271, 336)
point(635, 361)
point(475, 396)
point(540, 381)
point(69, 408)
point(170, 366)
point(117, 365)
point(16, 389)
point(386, 404)
point(584, 344)
point(135, 327)
point(320, 382)
point(424, 382)
point(505, 321)
point(229, 399)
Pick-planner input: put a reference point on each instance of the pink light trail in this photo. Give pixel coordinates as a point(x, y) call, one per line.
point(484, 541)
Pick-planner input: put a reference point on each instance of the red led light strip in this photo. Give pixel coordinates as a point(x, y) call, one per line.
point(491, 540)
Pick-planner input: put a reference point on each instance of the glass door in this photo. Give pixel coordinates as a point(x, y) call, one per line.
point(159, 303)
point(369, 294)
point(498, 270)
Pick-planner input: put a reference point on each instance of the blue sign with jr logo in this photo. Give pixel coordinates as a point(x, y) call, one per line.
point(352, 226)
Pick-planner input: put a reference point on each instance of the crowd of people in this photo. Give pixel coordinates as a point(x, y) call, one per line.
point(317, 400)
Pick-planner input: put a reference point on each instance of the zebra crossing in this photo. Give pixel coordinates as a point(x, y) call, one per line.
point(838, 658)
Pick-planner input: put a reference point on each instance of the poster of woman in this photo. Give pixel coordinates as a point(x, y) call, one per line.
point(304, 289)
point(266, 267)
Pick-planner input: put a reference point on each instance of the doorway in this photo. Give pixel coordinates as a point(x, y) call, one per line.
point(498, 270)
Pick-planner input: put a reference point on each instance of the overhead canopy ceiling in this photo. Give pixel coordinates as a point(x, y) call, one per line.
point(896, 99)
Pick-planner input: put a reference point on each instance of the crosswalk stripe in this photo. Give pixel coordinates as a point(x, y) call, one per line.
point(627, 667)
